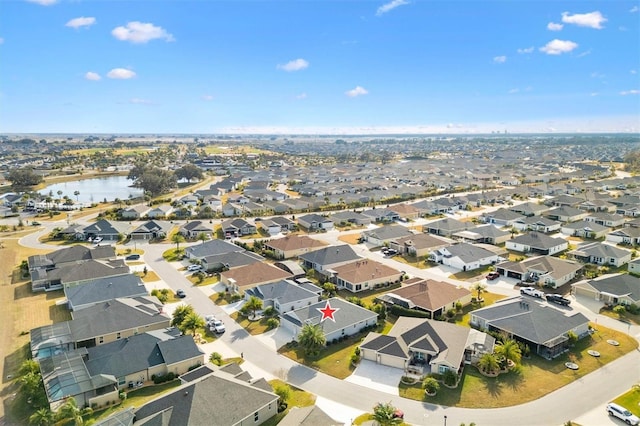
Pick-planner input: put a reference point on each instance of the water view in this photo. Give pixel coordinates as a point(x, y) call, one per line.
point(95, 190)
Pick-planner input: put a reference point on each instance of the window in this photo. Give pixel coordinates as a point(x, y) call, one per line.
point(255, 416)
point(101, 339)
point(118, 335)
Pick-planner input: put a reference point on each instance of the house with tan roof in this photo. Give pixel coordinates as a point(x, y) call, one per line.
point(244, 277)
point(405, 211)
point(548, 271)
point(293, 246)
point(430, 296)
point(364, 274)
point(418, 245)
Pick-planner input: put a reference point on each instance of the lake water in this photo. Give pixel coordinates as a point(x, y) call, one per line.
point(95, 190)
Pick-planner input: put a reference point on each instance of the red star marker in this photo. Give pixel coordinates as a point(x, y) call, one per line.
point(328, 312)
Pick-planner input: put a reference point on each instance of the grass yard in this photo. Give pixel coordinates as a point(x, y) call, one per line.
point(476, 274)
point(412, 261)
point(630, 400)
point(626, 318)
point(253, 327)
point(173, 255)
point(531, 380)
point(489, 299)
point(149, 277)
point(350, 238)
point(368, 417)
point(206, 281)
point(297, 398)
point(136, 398)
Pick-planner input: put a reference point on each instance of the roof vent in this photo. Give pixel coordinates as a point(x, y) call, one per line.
point(186, 393)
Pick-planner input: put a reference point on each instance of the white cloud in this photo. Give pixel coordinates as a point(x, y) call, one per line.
point(558, 47)
point(1, 40)
point(139, 101)
point(390, 6)
point(585, 53)
point(630, 92)
point(207, 97)
point(594, 94)
point(526, 50)
point(141, 32)
point(633, 72)
point(43, 2)
point(552, 26)
point(512, 91)
point(121, 74)
point(295, 65)
point(591, 19)
point(93, 76)
point(634, 9)
point(301, 96)
point(81, 22)
point(500, 59)
point(356, 91)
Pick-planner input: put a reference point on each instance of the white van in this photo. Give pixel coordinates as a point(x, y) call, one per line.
point(622, 413)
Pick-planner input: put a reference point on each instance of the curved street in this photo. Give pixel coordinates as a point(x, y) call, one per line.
point(568, 403)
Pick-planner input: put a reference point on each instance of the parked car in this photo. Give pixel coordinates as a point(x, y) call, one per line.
point(194, 267)
point(622, 413)
point(532, 291)
point(133, 256)
point(217, 326)
point(181, 294)
point(96, 240)
point(493, 276)
point(557, 298)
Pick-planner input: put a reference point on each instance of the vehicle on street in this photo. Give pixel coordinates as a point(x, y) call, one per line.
point(622, 413)
point(181, 294)
point(194, 267)
point(133, 256)
point(35, 223)
point(532, 291)
point(217, 326)
point(557, 298)
point(493, 276)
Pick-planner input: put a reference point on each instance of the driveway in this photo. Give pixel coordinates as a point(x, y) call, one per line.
point(375, 376)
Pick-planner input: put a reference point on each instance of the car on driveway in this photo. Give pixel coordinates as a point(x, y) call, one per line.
point(532, 291)
point(194, 267)
point(557, 298)
point(217, 326)
point(493, 276)
point(622, 413)
point(133, 256)
point(96, 240)
point(181, 294)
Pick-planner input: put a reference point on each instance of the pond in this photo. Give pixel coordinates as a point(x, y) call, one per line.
point(95, 190)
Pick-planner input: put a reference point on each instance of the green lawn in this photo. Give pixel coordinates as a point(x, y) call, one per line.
point(630, 400)
point(136, 398)
point(173, 255)
point(531, 380)
point(489, 299)
point(253, 327)
point(627, 317)
point(298, 398)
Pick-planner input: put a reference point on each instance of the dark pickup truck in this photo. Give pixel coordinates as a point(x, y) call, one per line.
point(556, 298)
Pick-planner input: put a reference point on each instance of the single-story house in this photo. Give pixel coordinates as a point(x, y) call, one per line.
point(73, 274)
point(537, 224)
point(405, 211)
point(536, 242)
point(421, 346)
point(628, 235)
point(364, 274)
point(349, 319)
point(548, 271)
point(348, 216)
point(385, 234)
point(242, 278)
point(211, 248)
point(153, 229)
point(193, 229)
point(584, 229)
point(162, 211)
point(433, 297)
point(618, 289)
point(327, 258)
point(269, 226)
point(418, 245)
point(501, 217)
point(285, 223)
point(315, 222)
point(485, 234)
point(446, 227)
point(530, 209)
point(567, 214)
point(610, 220)
point(601, 254)
point(283, 295)
point(464, 257)
point(92, 292)
point(225, 261)
point(293, 246)
point(381, 215)
point(238, 227)
point(134, 212)
point(536, 323)
point(107, 230)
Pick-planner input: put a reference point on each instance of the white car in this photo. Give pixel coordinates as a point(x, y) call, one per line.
point(194, 267)
point(96, 240)
point(532, 291)
point(217, 326)
point(622, 413)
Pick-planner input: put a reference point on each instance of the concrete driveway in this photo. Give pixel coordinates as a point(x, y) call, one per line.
point(375, 376)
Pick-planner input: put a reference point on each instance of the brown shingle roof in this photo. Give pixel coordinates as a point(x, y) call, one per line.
point(431, 295)
point(365, 270)
point(255, 274)
point(295, 242)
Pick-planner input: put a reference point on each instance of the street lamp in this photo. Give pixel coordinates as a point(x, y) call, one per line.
point(445, 420)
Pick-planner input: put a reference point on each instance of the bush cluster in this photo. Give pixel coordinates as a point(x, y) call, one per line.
point(164, 378)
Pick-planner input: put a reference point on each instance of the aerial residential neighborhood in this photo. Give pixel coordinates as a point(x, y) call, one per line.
point(380, 287)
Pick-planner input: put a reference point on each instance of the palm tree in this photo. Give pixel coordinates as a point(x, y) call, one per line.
point(385, 414)
point(479, 288)
point(488, 363)
point(312, 338)
point(177, 238)
point(253, 304)
point(76, 193)
point(510, 350)
point(29, 366)
point(203, 237)
point(42, 417)
point(180, 313)
point(431, 385)
point(192, 322)
point(71, 412)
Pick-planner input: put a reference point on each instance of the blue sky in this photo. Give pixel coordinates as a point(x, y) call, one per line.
point(327, 66)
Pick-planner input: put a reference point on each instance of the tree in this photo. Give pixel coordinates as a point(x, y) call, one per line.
point(619, 310)
point(42, 417)
point(189, 172)
point(203, 236)
point(180, 313)
point(177, 238)
point(312, 338)
point(329, 289)
point(76, 193)
point(479, 288)
point(283, 392)
point(253, 304)
point(192, 322)
point(572, 336)
point(29, 366)
point(510, 350)
point(488, 363)
point(385, 414)
point(70, 411)
point(215, 358)
point(22, 179)
point(430, 385)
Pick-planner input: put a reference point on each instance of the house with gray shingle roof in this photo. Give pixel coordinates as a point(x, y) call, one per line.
point(422, 346)
point(601, 254)
point(349, 216)
point(566, 214)
point(584, 229)
point(542, 326)
point(611, 220)
point(107, 230)
point(349, 319)
point(548, 271)
point(329, 257)
point(530, 209)
point(381, 215)
point(446, 227)
point(100, 290)
point(314, 222)
point(76, 273)
point(464, 257)
point(536, 242)
point(193, 229)
point(501, 217)
point(610, 289)
point(385, 234)
point(283, 295)
point(486, 234)
point(211, 248)
point(628, 235)
point(537, 224)
point(153, 229)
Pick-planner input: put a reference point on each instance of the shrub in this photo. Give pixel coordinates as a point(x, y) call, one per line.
point(633, 309)
point(431, 385)
point(269, 311)
point(399, 311)
point(450, 378)
point(273, 323)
